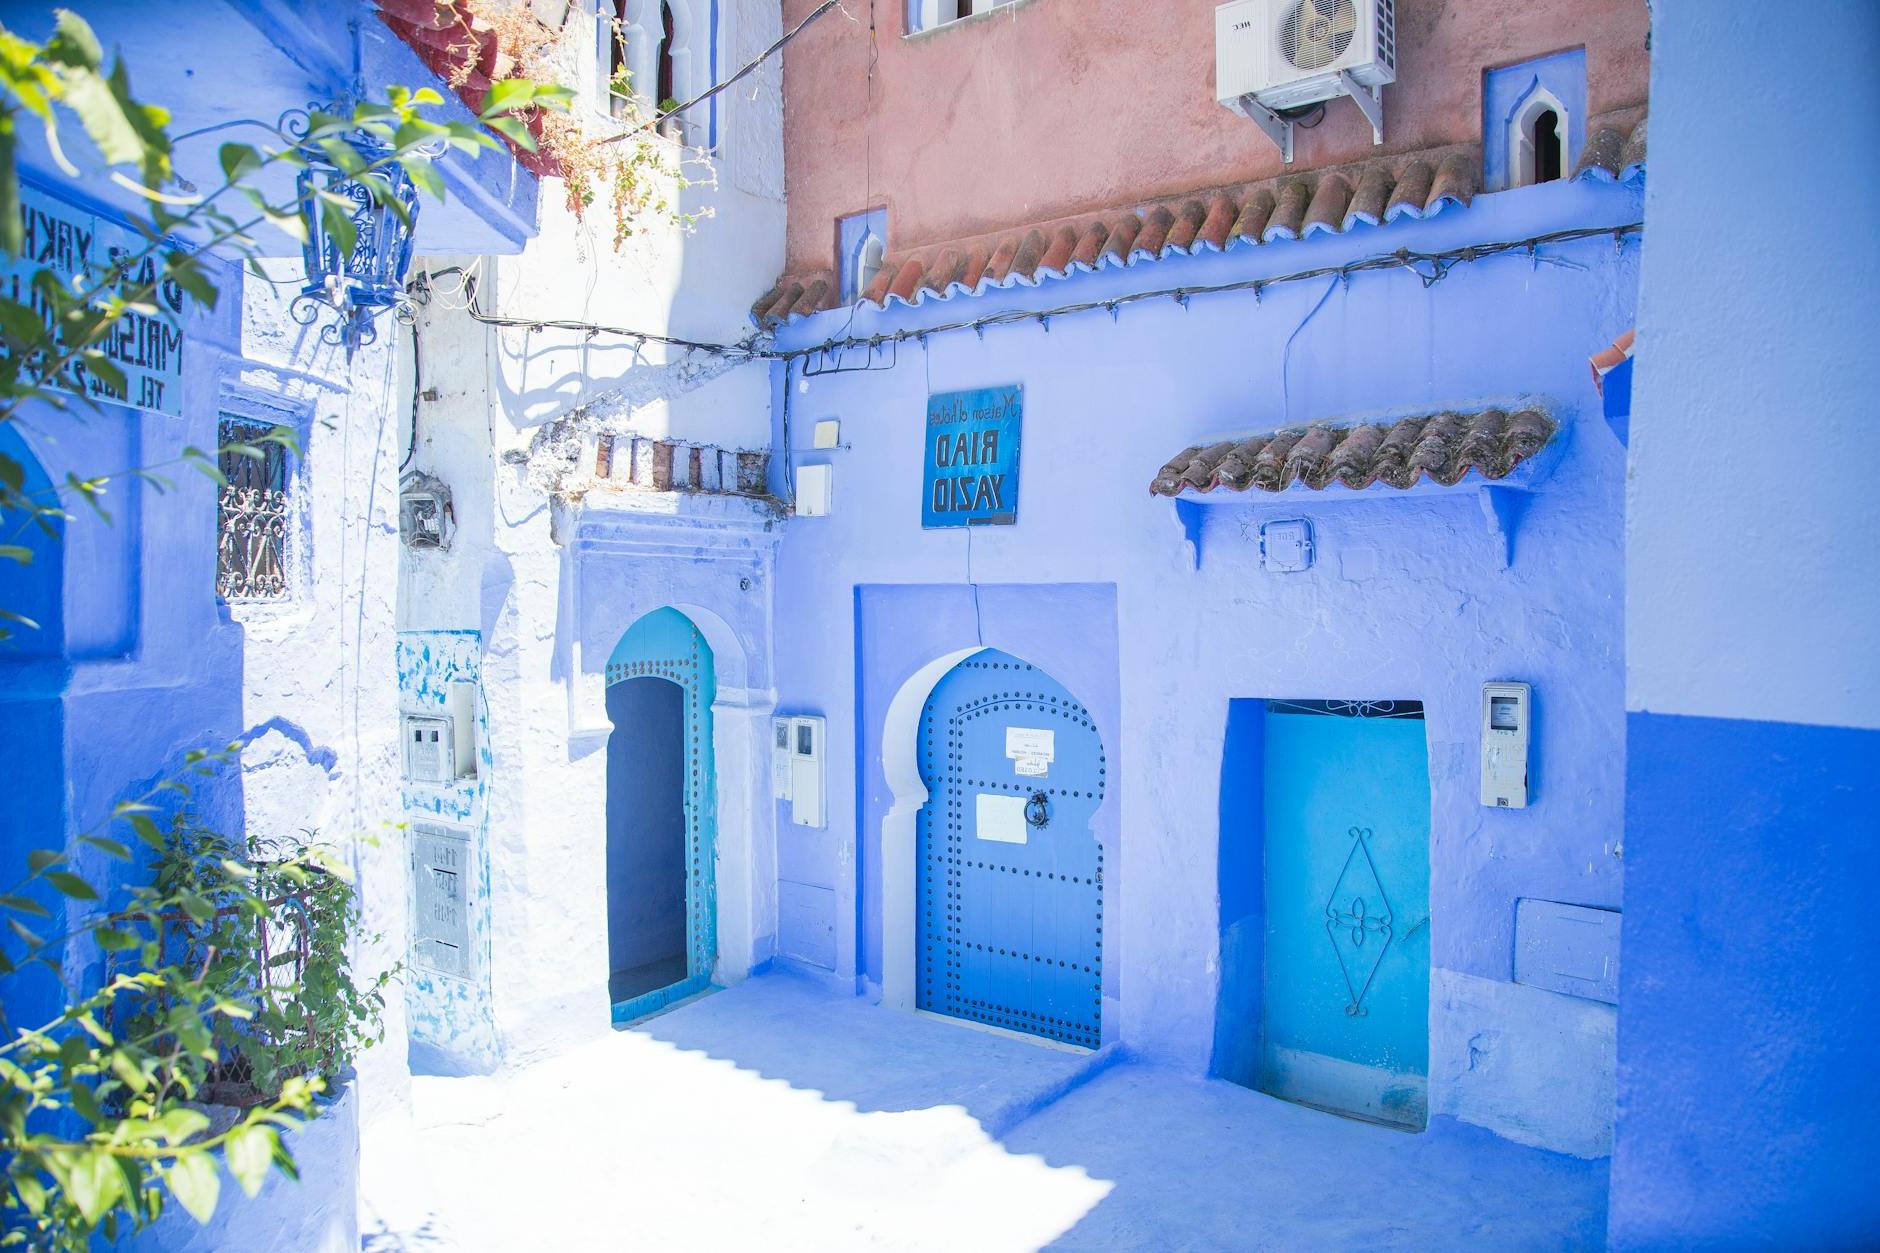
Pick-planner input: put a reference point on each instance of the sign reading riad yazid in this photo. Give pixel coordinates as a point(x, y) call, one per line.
point(972, 457)
point(76, 245)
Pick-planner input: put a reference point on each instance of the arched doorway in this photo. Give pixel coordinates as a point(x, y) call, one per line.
point(1009, 908)
point(661, 898)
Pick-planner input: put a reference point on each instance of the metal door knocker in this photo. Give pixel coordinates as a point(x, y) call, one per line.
point(1038, 811)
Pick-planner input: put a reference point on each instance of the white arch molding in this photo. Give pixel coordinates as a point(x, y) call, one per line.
point(900, 762)
point(1522, 153)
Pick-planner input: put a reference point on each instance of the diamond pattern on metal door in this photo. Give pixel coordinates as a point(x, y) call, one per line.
point(1009, 928)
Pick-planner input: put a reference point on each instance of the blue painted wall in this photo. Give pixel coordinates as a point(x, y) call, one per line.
point(1096, 582)
point(1746, 1095)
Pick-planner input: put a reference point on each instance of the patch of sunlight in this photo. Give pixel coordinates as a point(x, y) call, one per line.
point(634, 1142)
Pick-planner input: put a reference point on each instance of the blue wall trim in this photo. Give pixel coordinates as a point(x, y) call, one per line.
point(1747, 1084)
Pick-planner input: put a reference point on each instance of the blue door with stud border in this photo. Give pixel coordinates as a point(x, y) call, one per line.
point(1009, 917)
point(663, 645)
point(1346, 1001)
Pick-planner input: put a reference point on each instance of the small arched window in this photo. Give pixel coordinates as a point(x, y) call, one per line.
point(660, 53)
point(861, 251)
point(1537, 141)
point(1533, 120)
point(874, 252)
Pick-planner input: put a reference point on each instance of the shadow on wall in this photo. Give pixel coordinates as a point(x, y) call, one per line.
point(166, 677)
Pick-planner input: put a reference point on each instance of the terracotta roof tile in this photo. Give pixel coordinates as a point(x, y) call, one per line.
point(1442, 447)
point(1295, 205)
point(1614, 152)
point(461, 49)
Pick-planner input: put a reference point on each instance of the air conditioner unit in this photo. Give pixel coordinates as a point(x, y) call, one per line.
point(1274, 55)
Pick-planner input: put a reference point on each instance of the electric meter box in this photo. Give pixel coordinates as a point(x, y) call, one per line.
point(440, 744)
point(440, 871)
point(806, 771)
point(1507, 715)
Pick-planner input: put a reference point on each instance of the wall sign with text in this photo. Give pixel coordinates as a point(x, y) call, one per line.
point(147, 347)
point(971, 474)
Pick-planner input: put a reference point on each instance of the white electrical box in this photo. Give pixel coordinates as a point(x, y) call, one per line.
point(815, 490)
point(440, 869)
point(806, 771)
point(1507, 713)
point(782, 759)
point(440, 745)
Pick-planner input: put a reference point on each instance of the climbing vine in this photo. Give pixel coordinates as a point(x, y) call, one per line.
point(632, 165)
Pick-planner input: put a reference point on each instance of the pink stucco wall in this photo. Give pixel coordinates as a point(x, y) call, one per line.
point(1056, 107)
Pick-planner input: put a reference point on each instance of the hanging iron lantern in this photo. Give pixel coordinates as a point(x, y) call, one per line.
point(354, 290)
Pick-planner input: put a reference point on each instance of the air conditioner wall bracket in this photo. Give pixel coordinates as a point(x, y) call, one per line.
point(1370, 102)
point(1277, 128)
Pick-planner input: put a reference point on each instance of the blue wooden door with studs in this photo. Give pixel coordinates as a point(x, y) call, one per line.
point(1346, 1002)
point(1009, 920)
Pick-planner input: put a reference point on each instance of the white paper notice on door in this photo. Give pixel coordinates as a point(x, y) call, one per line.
point(1000, 818)
point(1031, 749)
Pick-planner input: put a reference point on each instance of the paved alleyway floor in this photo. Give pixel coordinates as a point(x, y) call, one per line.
point(781, 1115)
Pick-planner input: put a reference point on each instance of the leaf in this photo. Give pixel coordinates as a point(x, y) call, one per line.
point(250, 1151)
point(73, 43)
point(12, 227)
point(425, 175)
point(337, 221)
point(194, 1181)
point(71, 885)
point(15, 552)
point(41, 858)
point(95, 1185)
point(238, 160)
point(104, 845)
point(113, 940)
point(512, 130)
point(24, 905)
point(509, 94)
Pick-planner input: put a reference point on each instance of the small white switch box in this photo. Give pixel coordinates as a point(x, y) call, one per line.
point(1507, 712)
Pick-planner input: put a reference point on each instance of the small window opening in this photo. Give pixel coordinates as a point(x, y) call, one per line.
point(666, 91)
point(868, 266)
point(619, 85)
point(1547, 147)
point(251, 512)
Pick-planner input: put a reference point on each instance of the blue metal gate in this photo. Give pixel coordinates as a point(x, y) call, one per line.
point(1009, 925)
point(1346, 1024)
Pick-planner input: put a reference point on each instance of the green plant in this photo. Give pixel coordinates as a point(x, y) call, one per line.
point(170, 993)
point(278, 939)
point(97, 1105)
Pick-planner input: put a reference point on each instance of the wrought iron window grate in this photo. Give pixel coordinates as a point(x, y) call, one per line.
point(251, 517)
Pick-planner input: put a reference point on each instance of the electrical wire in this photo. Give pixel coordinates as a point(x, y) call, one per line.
point(715, 88)
point(417, 382)
point(1429, 267)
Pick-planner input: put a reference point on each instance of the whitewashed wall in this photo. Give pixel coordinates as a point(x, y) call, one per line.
point(551, 566)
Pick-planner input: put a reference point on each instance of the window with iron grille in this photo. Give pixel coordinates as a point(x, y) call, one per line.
point(251, 518)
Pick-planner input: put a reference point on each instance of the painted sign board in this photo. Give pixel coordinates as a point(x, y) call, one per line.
point(971, 476)
point(77, 245)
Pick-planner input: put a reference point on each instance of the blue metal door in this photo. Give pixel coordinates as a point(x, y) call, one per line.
point(663, 645)
point(1346, 1003)
point(1009, 925)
